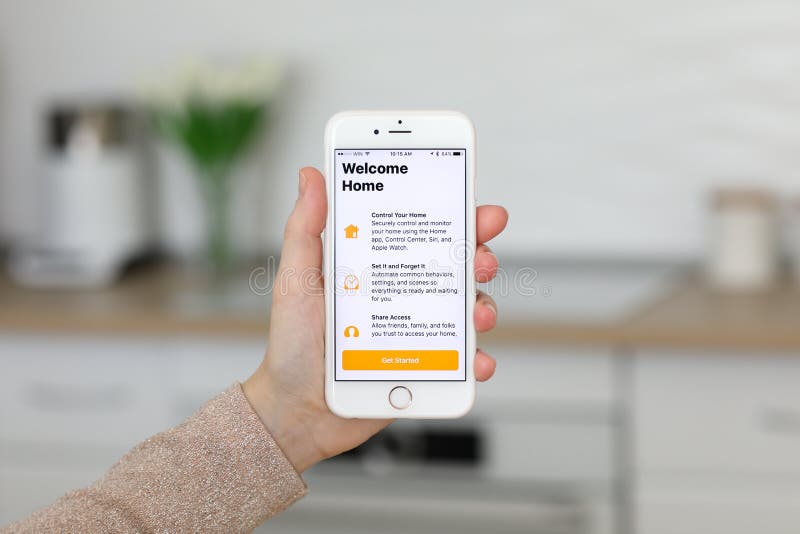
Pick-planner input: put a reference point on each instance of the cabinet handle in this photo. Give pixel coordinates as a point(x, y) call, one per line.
point(778, 420)
point(50, 397)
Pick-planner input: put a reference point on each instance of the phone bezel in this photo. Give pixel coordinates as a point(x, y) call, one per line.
point(427, 129)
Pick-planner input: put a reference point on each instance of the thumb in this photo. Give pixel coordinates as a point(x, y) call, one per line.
point(302, 246)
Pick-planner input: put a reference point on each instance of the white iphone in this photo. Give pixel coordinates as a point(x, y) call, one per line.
point(399, 272)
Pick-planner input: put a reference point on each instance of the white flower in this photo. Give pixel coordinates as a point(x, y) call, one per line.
point(253, 81)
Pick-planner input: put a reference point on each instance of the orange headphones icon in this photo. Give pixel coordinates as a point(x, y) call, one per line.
point(351, 331)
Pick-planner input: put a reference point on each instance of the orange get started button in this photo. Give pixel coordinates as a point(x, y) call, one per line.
point(401, 360)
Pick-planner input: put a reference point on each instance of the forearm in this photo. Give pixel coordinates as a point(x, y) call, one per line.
point(219, 470)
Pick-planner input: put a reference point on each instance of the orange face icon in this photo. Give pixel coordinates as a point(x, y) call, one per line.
point(351, 282)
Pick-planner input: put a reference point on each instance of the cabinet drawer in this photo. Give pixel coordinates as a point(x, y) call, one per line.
point(551, 376)
point(549, 451)
point(58, 388)
point(721, 505)
point(203, 368)
point(727, 413)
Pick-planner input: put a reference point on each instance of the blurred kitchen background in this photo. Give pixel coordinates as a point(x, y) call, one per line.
point(649, 336)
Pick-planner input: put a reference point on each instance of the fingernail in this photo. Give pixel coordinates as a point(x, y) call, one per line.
point(303, 182)
point(491, 305)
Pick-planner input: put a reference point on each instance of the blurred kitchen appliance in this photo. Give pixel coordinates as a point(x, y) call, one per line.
point(91, 219)
point(743, 252)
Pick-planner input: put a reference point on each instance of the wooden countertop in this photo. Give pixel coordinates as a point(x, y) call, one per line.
point(695, 315)
point(153, 300)
point(691, 315)
point(166, 300)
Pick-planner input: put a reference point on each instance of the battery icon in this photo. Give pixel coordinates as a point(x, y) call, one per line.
point(457, 153)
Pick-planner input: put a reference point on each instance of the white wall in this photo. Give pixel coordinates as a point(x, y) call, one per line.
point(601, 124)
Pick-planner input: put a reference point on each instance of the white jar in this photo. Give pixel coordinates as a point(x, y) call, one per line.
point(743, 252)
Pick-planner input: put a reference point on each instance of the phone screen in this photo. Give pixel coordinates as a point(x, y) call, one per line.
point(399, 259)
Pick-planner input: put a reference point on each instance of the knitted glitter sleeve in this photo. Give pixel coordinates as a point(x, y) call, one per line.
point(220, 470)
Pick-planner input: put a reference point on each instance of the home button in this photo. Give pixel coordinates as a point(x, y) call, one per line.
point(400, 398)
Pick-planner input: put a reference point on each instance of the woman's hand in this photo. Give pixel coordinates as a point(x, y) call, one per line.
point(288, 389)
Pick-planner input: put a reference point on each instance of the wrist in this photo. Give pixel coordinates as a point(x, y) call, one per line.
point(289, 430)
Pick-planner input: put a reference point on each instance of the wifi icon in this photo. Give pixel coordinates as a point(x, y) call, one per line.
point(367, 153)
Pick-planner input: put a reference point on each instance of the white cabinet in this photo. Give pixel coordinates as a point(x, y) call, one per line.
point(559, 377)
point(717, 504)
point(548, 414)
point(359, 505)
point(717, 442)
point(81, 390)
point(201, 368)
point(72, 405)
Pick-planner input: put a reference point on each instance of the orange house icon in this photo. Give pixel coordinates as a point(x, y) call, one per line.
point(351, 232)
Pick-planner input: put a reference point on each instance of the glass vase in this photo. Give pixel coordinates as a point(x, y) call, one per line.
point(215, 185)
